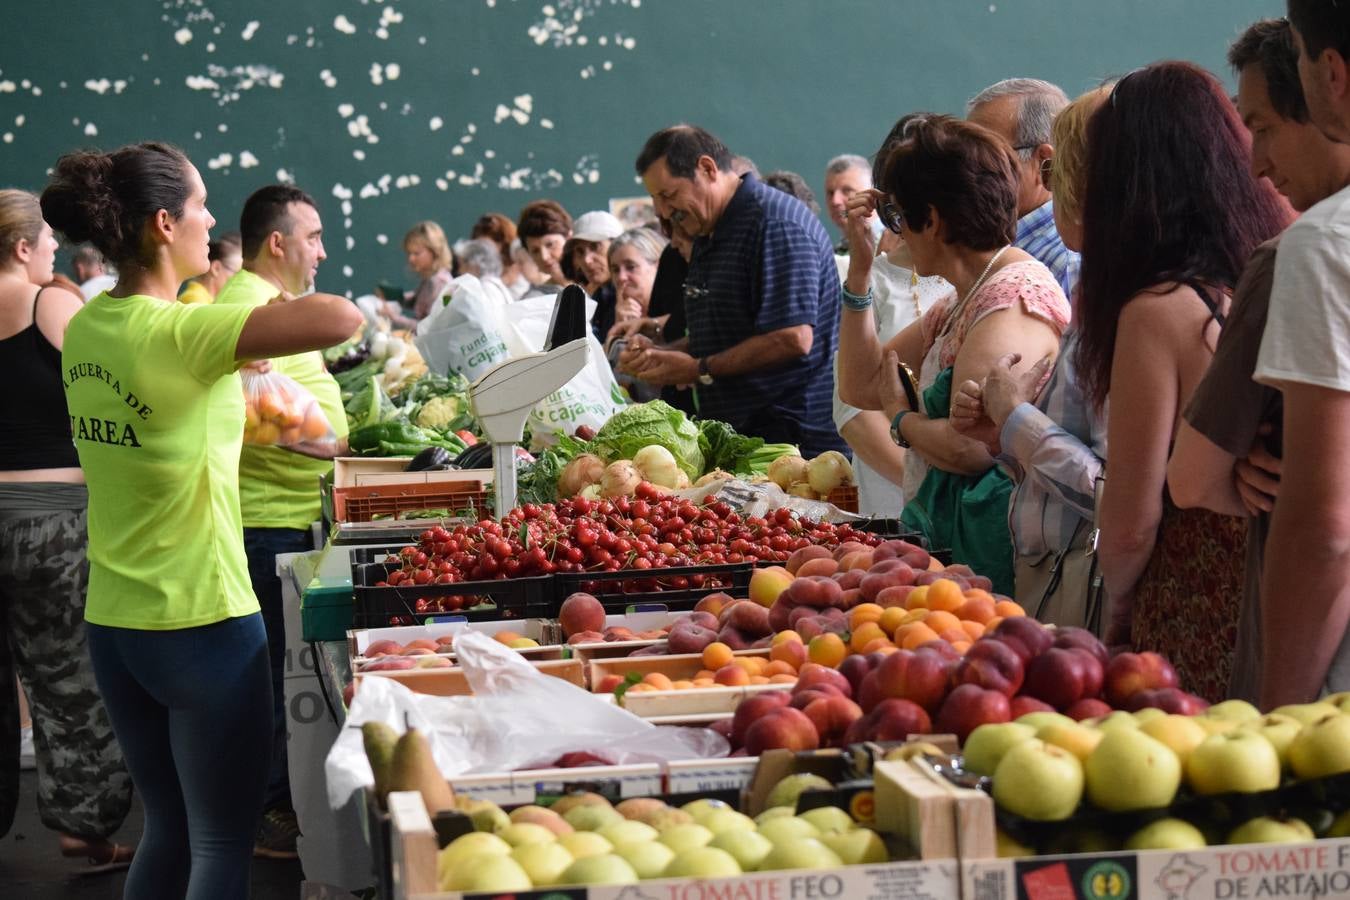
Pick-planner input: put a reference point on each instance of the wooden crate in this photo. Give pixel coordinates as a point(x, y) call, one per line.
point(542, 630)
point(706, 704)
point(452, 682)
point(676, 667)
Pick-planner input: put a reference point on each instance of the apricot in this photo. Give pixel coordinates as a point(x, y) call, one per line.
point(941, 621)
point(864, 634)
point(877, 645)
point(732, 676)
point(992, 623)
point(865, 612)
point(704, 683)
point(778, 667)
point(976, 608)
point(827, 650)
point(973, 630)
point(946, 595)
point(716, 655)
point(788, 635)
point(640, 688)
point(891, 618)
point(1006, 609)
point(659, 681)
point(759, 679)
point(961, 647)
point(789, 653)
point(315, 425)
point(705, 673)
point(682, 685)
point(506, 637)
point(824, 567)
point(918, 598)
point(919, 633)
point(782, 679)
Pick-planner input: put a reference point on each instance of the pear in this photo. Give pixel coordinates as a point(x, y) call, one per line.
point(379, 740)
point(413, 769)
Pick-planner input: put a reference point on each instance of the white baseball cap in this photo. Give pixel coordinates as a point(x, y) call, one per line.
point(596, 226)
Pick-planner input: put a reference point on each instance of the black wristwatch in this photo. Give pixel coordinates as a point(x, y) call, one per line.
point(704, 376)
point(895, 429)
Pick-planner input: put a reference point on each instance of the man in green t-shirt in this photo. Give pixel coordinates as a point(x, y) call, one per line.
point(278, 488)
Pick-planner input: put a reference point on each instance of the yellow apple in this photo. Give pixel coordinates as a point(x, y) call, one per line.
point(1322, 748)
point(1182, 733)
point(1039, 781)
point(1238, 761)
point(1079, 740)
point(1130, 770)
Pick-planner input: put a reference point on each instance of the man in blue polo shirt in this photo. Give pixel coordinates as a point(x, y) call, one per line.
point(761, 296)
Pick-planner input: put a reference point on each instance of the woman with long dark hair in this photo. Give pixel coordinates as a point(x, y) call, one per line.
point(1171, 214)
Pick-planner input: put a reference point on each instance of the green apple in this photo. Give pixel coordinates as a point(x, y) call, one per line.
point(592, 818)
point(648, 859)
point(1007, 848)
point(1322, 748)
point(1147, 714)
point(1234, 711)
point(786, 792)
point(1039, 720)
point(544, 863)
point(487, 873)
point(800, 853)
point(856, 847)
point(1039, 781)
point(700, 809)
point(686, 837)
point(829, 818)
point(579, 798)
point(1279, 729)
point(524, 833)
point(603, 869)
point(1182, 733)
point(1117, 719)
point(1080, 740)
point(1166, 834)
point(1265, 830)
point(585, 843)
point(669, 817)
point(1238, 761)
point(986, 745)
point(788, 829)
point(1341, 701)
point(748, 847)
point(775, 812)
point(1307, 713)
point(1130, 770)
point(628, 832)
point(1215, 726)
point(720, 820)
point(702, 862)
point(1340, 828)
point(486, 815)
point(471, 845)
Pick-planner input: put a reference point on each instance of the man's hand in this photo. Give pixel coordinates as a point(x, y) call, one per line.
point(967, 414)
point(1003, 391)
point(281, 297)
point(661, 366)
point(258, 366)
point(1258, 476)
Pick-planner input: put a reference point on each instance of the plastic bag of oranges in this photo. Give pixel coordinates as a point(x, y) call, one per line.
point(278, 412)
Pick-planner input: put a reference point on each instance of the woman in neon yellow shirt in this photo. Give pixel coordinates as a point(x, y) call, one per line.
point(156, 410)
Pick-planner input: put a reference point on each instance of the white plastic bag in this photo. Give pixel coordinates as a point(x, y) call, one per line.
point(517, 718)
point(468, 335)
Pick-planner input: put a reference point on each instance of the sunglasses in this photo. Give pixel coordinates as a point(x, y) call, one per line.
point(889, 214)
point(1047, 172)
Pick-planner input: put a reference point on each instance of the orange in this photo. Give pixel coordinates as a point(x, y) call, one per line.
point(827, 650)
point(976, 608)
point(892, 618)
point(941, 621)
point(779, 667)
point(918, 598)
point(658, 681)
point(864, 635)
point(1006, 608)
point(973, 630)
point(788, 635)
point(716, 655)
point(782, 679)
point(732, 675)
point(879, 645)
point(864, 612)
point(921, 634)
point(945, 594)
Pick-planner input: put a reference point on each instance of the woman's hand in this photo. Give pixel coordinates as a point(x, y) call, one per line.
point(892, 392)
point(861, 249)
point(627, 309)
point(1258, 476)
point(968, 416)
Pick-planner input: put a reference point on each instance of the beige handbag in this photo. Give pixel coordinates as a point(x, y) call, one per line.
point(1065, 588)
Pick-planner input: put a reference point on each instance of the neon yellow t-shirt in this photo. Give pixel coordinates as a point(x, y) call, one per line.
point(278, 488)
point(157, 413)
point(195, 293)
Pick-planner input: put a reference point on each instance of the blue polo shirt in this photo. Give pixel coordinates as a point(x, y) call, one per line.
point(768, 265)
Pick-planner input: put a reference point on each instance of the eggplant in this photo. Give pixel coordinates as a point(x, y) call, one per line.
point(479, 456)
point(428, 459)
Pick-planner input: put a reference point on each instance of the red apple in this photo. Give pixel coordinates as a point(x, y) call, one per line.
point(1129, 673)
point(991, 664)
point(781, 729)
point(968, 707)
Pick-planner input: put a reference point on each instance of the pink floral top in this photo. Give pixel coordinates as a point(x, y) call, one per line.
point(1028, 282)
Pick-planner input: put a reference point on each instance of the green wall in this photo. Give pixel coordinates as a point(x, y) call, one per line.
point(532, 98)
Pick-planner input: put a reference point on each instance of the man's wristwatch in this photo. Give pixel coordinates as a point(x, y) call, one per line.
point(895, 429)
point(704, 376)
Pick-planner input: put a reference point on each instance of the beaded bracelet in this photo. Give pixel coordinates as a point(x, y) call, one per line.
point(855, 302)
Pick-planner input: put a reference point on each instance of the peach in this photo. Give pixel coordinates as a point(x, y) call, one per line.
point(847, 547)
point(703, 618)
point(417, 651)
point(896, 720)
point(586, 637)
point(1129, 673)
point(781, 729)
point(873, 583)
point(832, 717)
point(619, 633)
point(825, 566)
point(732, 675)
point(712, 603)
point(1022, 704)
point(814, 591)
point(992, 665)
point(581, 612)
point(1088, 708)
point(917, 675)
point(813, 675)
point(968, 707)
point(1062, 677)
point(1027, 637)
point(390, 663)
point(377, 648)
point(734, 638)
point(767, 583)
point(800, 557)
point(747, 617)
point(860, 560)
point(607, 684)
point(686, 637)
point(849, 579)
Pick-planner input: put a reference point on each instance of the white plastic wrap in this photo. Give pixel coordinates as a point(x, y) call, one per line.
point(517, 718)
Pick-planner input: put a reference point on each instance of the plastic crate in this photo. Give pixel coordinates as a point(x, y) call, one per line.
point(364, 504)
point(845, 497)
point(626, 587)
point(505, 598)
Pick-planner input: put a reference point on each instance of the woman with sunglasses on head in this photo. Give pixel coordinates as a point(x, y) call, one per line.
point(949, 189)
point(156, 410)
point(899, 297)
point(1171, 214)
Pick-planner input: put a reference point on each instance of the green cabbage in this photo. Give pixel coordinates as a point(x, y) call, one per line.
point(631, 429)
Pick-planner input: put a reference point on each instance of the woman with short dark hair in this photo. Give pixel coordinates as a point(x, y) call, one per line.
point(949, 188)
point(1171, 214)
point(544, 228)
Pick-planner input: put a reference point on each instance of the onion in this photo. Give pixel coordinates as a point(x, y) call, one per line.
point(581, 471)
point(590, 492)
point(621, 479)
point(682, 482)
point(784, 470)
point(801, 489)
point(714, 475)
point(828, 471)
point(657, 465)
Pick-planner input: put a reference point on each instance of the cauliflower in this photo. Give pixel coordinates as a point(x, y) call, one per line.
point(438, 412)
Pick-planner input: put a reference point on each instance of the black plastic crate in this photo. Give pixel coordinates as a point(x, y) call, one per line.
point(674, 587)
point(505, 598)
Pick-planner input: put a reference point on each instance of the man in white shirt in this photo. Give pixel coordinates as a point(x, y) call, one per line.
point(1305, 591)
point(91, 271)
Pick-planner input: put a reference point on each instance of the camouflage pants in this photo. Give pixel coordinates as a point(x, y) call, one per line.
point(83, 785)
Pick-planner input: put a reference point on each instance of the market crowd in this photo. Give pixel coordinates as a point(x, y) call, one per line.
point(1152, 267)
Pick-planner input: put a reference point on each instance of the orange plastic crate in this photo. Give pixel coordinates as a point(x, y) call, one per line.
point(845, 497)
point(363, 504)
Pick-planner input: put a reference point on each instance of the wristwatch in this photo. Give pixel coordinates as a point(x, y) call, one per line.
point(704, 376)
point(895, 429)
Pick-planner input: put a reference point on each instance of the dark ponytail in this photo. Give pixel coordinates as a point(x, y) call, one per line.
point(106, 198)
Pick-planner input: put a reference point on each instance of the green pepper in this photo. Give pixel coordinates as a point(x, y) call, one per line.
point(368, 437)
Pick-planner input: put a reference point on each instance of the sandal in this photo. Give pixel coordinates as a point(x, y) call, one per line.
point(102, 855)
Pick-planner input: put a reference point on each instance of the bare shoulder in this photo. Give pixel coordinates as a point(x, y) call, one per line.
point(1164, 307)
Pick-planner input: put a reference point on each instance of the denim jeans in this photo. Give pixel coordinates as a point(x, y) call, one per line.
point(262, 545)
point(191, 709)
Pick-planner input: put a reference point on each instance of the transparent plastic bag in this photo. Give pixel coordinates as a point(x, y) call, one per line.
point(278, 412)
point(517, 718)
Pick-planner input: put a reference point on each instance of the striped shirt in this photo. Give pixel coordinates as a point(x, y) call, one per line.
point(1054, 451)
point(1037, 235)
point(767, 266)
